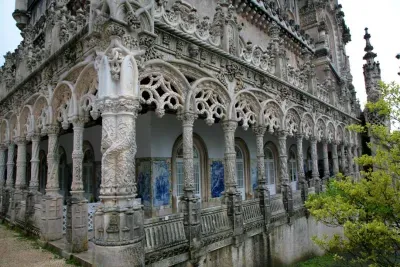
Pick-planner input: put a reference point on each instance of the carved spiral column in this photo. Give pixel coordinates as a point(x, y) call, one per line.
point(300, 166)
point(314, 158)
point(229, 128)
point(20, 181)
point(285, 185)
point(262, 189)
point(77, 157)
point(335, 158)
point(187, 136)
point(326, 160)
point(34, 183)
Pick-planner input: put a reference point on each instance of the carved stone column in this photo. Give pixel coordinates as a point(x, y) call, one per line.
point(300, 167)
point(52, 202)
point(262, 189)
point(343, 158)
point(190, 204)
point(119, 231)
point(356, 166)
point(33, 204)
point(326, 162)
point(350, 160)
point(314, 158)
point(2, 177)
point(335, 159)
point(232, 196)
point(20, 182)
point(77, 207)
point(285, 184)
point(8, 203)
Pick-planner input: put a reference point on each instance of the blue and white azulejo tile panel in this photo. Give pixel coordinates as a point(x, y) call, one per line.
point(253, 174)
point(144, 181)
point(161, 186)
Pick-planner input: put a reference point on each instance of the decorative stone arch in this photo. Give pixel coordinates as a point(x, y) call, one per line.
point(88, 171)
point(139, 16)
point(205, 184)
point(320, 129)
point(272, 116)
point(333, 39)
point(62, 104)
point(339, 133)
point(40, 114)
point(330, 132)
point(85, 90)
point(245, 109)
point(261, 95)
point(192, 72)
point(307, 126)
point(26, 122)
point(163, 86)
point(292, 122)
point(208, 98)
point(346, 136)
point(14, 126)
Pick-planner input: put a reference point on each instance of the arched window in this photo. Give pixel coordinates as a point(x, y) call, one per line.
point(240, 171)
point(42, 171)
point(88, 179)
point(199, 169)
point(63, 173)
point(292, 164)
point(270, 169)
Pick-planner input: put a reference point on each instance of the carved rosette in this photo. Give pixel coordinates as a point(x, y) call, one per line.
point(21, 164)
point(10, 165)
point(34, 182)
point(229, 128)
point(335, 158)
point(2, 165)
point(52, 186)
point(77, 155)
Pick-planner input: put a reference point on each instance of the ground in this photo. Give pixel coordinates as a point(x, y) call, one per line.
point(16, 250)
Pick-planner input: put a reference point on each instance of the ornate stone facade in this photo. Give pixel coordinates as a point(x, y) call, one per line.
point(78, 99)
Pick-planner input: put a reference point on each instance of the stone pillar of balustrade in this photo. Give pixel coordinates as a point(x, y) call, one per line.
point(262, 188)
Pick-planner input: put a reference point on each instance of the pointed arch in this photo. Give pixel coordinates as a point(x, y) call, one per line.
point(272, 115)
point(14, 127)
point(245, 109)
point(26, 121)
point(40, 114)
point(85, 90)
point(62, 104)
point(307, 125)
point(330, 132)
point(208, 98)
point(163, 86)
point(292, 121)
point(320, 129)
point(190, 70)
point(339, 133)
point(4, 131)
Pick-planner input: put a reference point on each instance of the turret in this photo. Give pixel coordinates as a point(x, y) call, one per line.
point(372, 70)
point(20, 14)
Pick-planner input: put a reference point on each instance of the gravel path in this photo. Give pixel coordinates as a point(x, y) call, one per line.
point(19, 251)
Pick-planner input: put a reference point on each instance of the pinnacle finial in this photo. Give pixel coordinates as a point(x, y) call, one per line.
point(368, 47)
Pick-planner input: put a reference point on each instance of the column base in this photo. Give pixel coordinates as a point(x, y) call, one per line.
point(52, 217)
point(191, 209)
point(235, 211)
point(119, 231)
point(265, 204)
point(120, 256)
point(287, 196)
point(77, 224)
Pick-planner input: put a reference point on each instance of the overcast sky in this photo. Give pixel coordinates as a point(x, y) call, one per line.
point(381, 17)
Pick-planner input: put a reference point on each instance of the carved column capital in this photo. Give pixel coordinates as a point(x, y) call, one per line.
point(229, 125)
point(299, 136)
point(78, 121)
point(53, 129)
point(187, 118)
point(259, 130)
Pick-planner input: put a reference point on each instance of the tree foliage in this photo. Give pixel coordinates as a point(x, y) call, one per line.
point(368, 209)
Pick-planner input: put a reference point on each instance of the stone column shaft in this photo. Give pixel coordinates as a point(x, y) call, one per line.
point(326, 159)
point(52, 186)
point(300, 167)
point(350, 160)
point(229, 128)
point(314, 159)
point(187, 136)
point(77, 157)
point(34, 183)
point(10, 166)
point(262, 189)
point(2, 167)
point(356, 166)
point(343, 158)
point(285, 184)
point(20, 181)
point(335, 161)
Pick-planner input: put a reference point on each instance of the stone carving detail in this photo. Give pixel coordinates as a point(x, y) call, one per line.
point(210, 103)
point(308, 126)
point(330, 133)
point(272, 117)
point(52, 160)
point(292, 122)
point(159, 90)
point(231, 77)
point(320, 130)
point(246, 110)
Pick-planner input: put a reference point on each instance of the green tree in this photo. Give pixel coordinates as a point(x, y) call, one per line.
point(369, 209)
